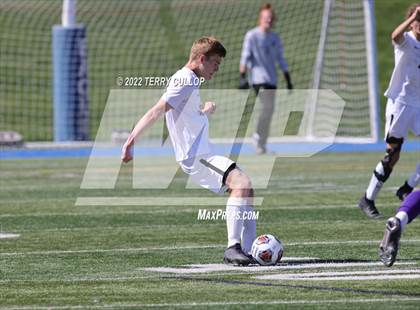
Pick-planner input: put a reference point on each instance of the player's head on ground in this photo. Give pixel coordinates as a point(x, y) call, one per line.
point(415, 26)
point(266, 17)
point(205, 56)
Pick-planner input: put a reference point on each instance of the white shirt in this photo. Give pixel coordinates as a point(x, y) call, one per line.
point(404, 86)
point(188, 127)
point(261, 52)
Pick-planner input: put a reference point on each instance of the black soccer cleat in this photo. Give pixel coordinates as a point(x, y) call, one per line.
point(388, 248)
point(252, 260)
point(403, 191)
point(368, 207)
point(235, 256)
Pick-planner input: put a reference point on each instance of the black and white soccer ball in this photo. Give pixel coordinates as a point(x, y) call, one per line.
point(267, 250)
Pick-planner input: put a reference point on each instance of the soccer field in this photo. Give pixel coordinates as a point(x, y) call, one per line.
point(145, 256)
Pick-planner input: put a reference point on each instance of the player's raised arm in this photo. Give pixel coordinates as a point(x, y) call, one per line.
point(146, 121)
point(398, 34)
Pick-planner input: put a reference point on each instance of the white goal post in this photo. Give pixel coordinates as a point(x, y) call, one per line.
point(366, 56)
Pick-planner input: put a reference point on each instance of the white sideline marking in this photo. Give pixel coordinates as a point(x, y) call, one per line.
point(75, 280)
point(368, 278)
point(8, 236)
point(207, 268)
point(212, 246)
point(156, 201)
point(386, 274)
point(218, 304)
point(172, 210)
point(153, 210)
point(108, 250)
point(346, 242)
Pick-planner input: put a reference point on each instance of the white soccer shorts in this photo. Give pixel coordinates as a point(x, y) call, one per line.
point(400, 119)
point(207, 171)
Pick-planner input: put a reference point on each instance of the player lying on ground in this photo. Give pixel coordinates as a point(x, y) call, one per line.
point(402, 109)
point(409, 210)
point(188, 128)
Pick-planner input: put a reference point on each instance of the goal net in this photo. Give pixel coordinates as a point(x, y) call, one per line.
point(328, 45)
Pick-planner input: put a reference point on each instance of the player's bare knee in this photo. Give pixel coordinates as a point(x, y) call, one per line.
point(239, 184)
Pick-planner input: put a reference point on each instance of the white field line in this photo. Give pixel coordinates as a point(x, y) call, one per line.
point(170, 210)
point(31, 200)
point(136, 227)
point(363, 278)
point(81, 279)
point(165, 211)
point(346, 242)
point(386, 274)
point(93, 251)
point(8, 236)
point(87, 251)
point(121, 278)
point(198, 224)
point(339, 273)
point(207, 268)
point(287, 276)
point(156, 201)
point(189, 201)
point(219, 304)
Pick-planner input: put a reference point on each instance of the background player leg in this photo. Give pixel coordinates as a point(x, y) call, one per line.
point(381, 173)
point(264, 121)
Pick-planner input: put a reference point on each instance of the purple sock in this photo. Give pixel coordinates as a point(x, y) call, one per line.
point(411, 205)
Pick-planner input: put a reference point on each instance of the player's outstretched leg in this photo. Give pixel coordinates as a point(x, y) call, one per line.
point(241, 232)
point(408, 211)
point(410, 183)
point(381, 173)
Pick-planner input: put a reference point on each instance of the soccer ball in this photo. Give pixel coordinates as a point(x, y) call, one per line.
point(267, 250)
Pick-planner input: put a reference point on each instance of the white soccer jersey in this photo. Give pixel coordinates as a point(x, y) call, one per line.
point(404, 86)
point(188, 127)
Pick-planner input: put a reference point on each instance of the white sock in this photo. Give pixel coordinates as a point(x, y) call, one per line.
point(414, 178)
point(234, 221)
point(375, 185)
point(249, 232)
point(403, 217)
